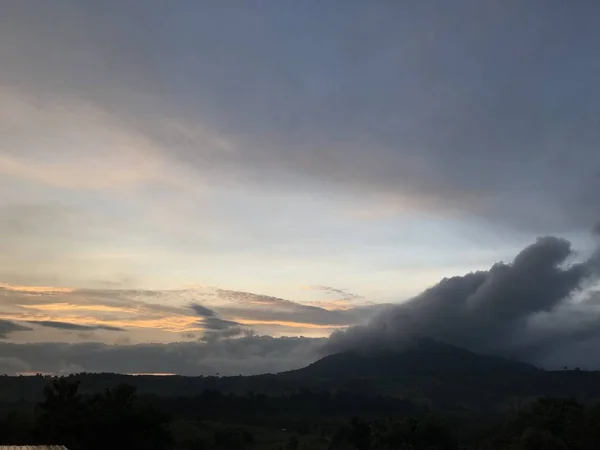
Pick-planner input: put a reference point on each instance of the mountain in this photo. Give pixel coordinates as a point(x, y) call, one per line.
point(424, 357)
point(437, 374)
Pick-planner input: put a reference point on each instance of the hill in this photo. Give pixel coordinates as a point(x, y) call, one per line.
point(423, 357)
point(437, 374)
point(428, 373)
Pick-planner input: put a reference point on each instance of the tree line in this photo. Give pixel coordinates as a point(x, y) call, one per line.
point(119, 418)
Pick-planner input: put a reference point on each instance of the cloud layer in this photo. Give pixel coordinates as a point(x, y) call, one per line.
point(248, 355)
point(73, 326)
point(165, 316)
point(418, 106)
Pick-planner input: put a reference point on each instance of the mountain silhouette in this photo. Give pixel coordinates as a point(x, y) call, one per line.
point(422, 357)
point(427, 373)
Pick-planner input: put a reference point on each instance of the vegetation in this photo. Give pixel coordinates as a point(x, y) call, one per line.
point(119, 418)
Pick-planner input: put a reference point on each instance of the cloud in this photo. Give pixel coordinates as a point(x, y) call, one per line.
point(214, 327)
point(526, 309)
point(73, 326)
point(447, 107)
point(34, 289)
point(7, 327)
point(247, 355)
point(213, 335)
point(202, 310)
point(256, 307)
point(338, 292)
point(214, 323)
point(120, 156)
point(13, 365)
point(344, 300)
point(164, 315)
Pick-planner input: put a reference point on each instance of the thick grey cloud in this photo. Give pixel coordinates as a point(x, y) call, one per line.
point(73, 326)
point(7, 327)
point(487, 108)
point(246, 355)
point(540, 302)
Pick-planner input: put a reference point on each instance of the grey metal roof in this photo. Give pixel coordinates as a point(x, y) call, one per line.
point(33, 447)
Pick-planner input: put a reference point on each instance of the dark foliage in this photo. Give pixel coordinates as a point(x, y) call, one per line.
point(119, 419)
point(114, 419)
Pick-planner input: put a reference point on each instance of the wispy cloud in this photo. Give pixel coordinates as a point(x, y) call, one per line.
point(72, 326)
point(230, 312)
point(344, 293)
point(91, 149)
point(34, 289)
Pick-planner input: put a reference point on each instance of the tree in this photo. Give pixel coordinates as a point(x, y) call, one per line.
point(360, 434)
point(15, 427)
point(533, 439)
point(60, 417)
point(119, 421)
point(293, 443)
point(411, 433)
point(233, 438)
point(114, 419)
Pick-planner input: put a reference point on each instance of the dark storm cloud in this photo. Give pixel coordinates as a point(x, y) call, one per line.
point(73, 326)
point(7, 327)
point(539, 302)
point(485, 107)
point(246, 355)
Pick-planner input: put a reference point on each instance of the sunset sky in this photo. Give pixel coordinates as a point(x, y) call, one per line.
point(189, 176)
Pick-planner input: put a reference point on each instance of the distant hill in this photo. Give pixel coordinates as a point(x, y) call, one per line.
point(424, 357)
point(428, 373)
point(434, 373)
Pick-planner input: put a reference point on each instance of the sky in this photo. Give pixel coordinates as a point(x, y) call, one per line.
point(218, 186)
